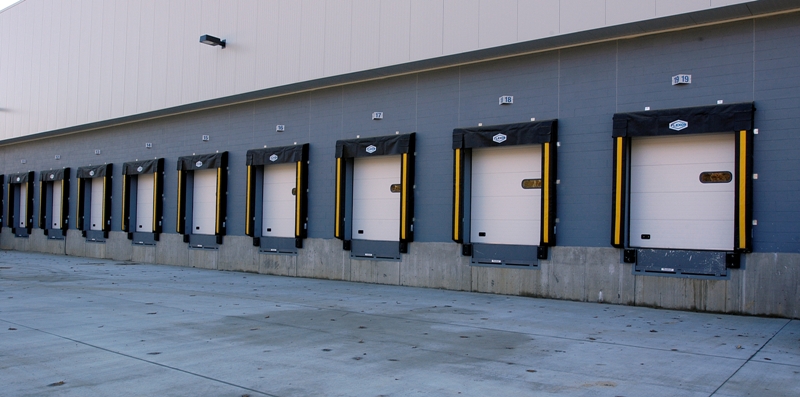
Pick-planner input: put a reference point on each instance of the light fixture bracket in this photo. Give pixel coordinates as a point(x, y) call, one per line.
point(212, 41)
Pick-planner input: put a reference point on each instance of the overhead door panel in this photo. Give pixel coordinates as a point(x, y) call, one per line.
point(376, 205)
point(55, 219)
point(278, 215)
point(503, 210)
point(96, 204)
point(204, 201)
point(682, 192)
point(144, 202)
point(23, 205)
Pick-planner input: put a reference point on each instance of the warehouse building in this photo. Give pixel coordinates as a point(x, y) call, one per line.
point(629, 152)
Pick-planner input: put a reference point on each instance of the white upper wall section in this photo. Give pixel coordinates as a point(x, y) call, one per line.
point(65, 63)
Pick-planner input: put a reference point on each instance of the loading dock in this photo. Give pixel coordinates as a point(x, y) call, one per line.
point(683, 189)
point(202, 204)
point(54, 203)
point(94, 199)
point(374, 195)
point(504, 192)
point(277, 189)
point(20, 203)
point(143, 200)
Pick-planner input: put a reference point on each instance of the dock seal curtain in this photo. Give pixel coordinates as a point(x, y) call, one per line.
point(544, 133)
point(187, 164)
point(130, 171)
point(85, 174)
point(259, 158)
point(736, 118)
point(349, 149)
point(26, 179)
point(47, 180)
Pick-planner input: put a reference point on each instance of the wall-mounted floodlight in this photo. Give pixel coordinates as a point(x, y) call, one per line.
point(212, 41)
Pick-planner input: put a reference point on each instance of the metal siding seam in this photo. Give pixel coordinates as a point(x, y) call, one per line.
point(457, 197)
point(742, 189)
point(297, 196)
point(546, 194)
point(248, 203)
point(618, 198)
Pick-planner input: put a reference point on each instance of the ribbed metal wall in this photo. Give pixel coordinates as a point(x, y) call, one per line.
point(66, 63)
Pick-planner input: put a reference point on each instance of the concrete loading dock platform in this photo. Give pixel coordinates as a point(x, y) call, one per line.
point(73, 326)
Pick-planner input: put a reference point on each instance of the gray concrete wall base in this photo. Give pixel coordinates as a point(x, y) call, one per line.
point(507, 281)
point(436, 265)
point(118, 246)
point(95, 249)
point(323, 258)
point(6, 239)
point(143, 253)
point(75, 243)
point(22, 243)
point(237, 253)
point(171, 250)
point(279, 265)
point(378, 272)
point(598, 272)
point(40, 243)
point(770, 285)
point(203, 258)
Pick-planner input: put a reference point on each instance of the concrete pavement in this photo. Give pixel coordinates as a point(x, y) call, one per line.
point(72, 326)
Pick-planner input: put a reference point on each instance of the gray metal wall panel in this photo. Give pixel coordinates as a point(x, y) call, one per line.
point(537, 19)
point(437, 114)
point(338, 23)
point(720, 60)
point(106, 75)
point(624, 11)
point(126, 58)
point(578, 15)
point(288, 64)
point(365, 35)
point(582, 87)
point(532, 80)
point(776, 161)
point(586, 96)
point(161, 56)
point(266, 65)
point(325, 127)
point(312, 39)
point(672, 7)
point(461, 18)
point(394, 31)
point(497, 24)
point(425, 33)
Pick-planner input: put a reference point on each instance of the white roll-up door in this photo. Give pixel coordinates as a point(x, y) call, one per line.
point(96, 204)
point(376, 207)
point(503, 211)
point(144, 202)
point(23, 204)
point(204, 202)
point(278, 209)
point(670, 207)
point(55, 220)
